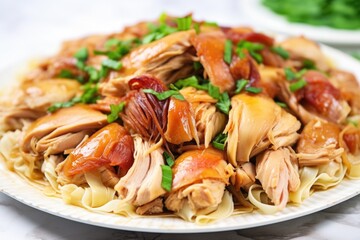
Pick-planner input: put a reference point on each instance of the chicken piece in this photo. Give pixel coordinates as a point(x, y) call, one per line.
point(32, 99)
point(64, 129)
point(350, 140)
point(210, 50)
point(142, 183)
point(167, 59)
point(244, 176)
point(181, 125)
point(255, 123)
point(150, 208)
point(349, 87)
point(318, 99)
point(112, 145)
point(278, 173)
point(199, 179)
point(318, 143)
point(209, 121)
point(301, 48)
point(269, 78)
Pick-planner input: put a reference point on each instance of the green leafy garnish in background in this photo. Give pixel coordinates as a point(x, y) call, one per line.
point(340, 14)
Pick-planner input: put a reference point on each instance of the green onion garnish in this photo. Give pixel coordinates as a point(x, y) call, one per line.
point(240, 85)
point(184, 23)
point(219, 141)
point(82, 54)
point(281, 52)
point(281, 104)
point(228, 51)
point(112, 64)
point(115, 110)
point(165, 95)
point(297, 85)
point(166, 180)
point(253, 90)
point(168, 159)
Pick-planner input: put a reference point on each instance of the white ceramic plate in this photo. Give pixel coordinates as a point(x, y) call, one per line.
point(259, 15)
point(15, 187)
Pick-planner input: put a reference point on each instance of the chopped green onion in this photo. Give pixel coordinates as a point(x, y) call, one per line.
point(184, 23)
point(212, 24)
point(196, 27)
point(289, 74)
point(253, 90)
point(252, 48)
point(224, 103)
point(115, 110)
point(353, 122)
point(308, 64)
point(109, 63)
point(197, 66)
point(228, 51)
point(80, 65)
point(59, 105)
point(219, 141)
point(240, 85)
point(190, 82)
point(166, 180)
point(214, 91)
point(166, 94)
point(297, 85)
point(162, 18)
point(82, 54)
point(281, 104)
point(66, 74)
point(168, 159)
point(281, 52)
point(93, 74)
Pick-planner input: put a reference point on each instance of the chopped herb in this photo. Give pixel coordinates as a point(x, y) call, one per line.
point(291, 75)
point(240, 85)
point(59, 105)
point(166, 94)
point(184, 23)
point(281, 104)
point(82, 54)
point(212, 24)
point(116, 49)
point(162, 18)
point(112, 64)
point(115, 110)
point(168, 159)
point(80, 65)
point(157, 32)
point(252, 48)
point(224, 103)
point(197, 66)
point(281, 52)
point(196, 27)
point(297, 85)
point(219, 141)
point(353, 122)
point(253, 89)
point(190, 82)
point(308, 64)
point(228, 51)
point(94, 75)
point(214, 91)
point(166, 180)
point(66, 74)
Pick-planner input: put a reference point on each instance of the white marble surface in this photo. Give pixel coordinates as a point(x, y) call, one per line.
point(34, 28)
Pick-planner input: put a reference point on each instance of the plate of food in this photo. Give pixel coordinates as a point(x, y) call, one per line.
point(332, 22)
point(176, 125)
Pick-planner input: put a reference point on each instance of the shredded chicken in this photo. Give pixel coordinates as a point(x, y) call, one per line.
point(244, 176)
point(167, 59)
point(142, 183)
point(278, 173)
point(255, 123)
point(53, 134)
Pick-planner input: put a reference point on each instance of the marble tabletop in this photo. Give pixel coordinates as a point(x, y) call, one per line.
point(31, 28)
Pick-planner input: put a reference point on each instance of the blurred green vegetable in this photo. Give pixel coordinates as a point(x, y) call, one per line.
point(341, 14)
